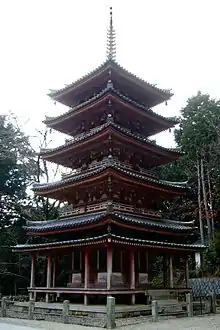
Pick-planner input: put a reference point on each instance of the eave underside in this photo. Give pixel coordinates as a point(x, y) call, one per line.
point(88, 141)
point(149, 93)
point(107, 239)
point(120, 103)
point(106, 217)
point(123, 175)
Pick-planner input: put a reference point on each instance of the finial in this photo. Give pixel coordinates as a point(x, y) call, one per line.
point(111, 44)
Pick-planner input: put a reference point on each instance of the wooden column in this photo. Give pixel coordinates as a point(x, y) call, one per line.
point(97, 261)
point(48, 276)
point(187, 271)
point(171, 271)
point(86, 275)
point(32, 295)
point(72, 261)
point(33, 267)
point(132, 275)
point(198, 262)
point(54, 271)
point(109, 267)
point(165, 270)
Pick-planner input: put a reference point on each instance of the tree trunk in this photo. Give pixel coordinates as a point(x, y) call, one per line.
point(199, 202)
point(211, 205)
point(205, 202)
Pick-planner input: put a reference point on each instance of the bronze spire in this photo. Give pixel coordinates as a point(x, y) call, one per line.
point(111, 44)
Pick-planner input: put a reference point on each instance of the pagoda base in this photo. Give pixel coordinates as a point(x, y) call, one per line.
point(81, 294)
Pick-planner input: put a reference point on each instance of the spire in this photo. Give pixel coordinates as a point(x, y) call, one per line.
point(111, 44)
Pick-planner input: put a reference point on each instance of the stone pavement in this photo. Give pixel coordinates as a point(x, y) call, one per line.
point(194, 323)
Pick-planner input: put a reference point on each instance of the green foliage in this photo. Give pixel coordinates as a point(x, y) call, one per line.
point(17, 171)
point(199, 125)
point(198, 134)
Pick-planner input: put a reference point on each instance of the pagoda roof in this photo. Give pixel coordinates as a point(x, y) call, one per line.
point(165, 122)
point(111, 68)
point(70, 144)
point(93, 218)
point(108, 167)
point(107, 238)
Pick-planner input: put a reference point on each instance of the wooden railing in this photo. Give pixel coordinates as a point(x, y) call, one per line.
point(109, 205)
point(95, 164)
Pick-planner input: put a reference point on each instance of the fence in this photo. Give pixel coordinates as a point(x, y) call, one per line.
point(187, 307)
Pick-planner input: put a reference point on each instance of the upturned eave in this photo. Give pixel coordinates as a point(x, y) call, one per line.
point(83, 140)
point(159, 94)
point(108, 239)
point(163, 122)
point(115, 170)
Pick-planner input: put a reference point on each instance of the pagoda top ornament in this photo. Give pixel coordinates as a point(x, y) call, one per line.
point(111, 40)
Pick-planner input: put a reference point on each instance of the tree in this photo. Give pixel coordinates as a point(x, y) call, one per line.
point(17, 171)
point(198, 137)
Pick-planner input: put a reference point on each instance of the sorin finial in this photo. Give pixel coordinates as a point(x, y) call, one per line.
point(111, 37)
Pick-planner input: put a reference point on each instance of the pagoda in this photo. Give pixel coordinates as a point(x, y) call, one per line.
point(110, 231)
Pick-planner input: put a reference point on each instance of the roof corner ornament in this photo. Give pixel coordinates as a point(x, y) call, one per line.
point(111, 37)
point(109, 84)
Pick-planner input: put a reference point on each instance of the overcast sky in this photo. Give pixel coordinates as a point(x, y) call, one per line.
point(48, 43)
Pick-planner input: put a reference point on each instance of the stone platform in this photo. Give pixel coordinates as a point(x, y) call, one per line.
point(89, 310)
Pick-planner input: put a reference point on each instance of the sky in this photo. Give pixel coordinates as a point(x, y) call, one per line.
point(49, 43)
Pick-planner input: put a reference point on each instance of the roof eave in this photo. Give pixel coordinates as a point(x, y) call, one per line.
point(162, 93)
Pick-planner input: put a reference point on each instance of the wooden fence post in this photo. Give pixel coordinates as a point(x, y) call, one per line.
point(31, 309)
point(3, 306)
point(110, 313)
point(66, 308)
point(154, 310)
point(213, 303)
point(189, 304)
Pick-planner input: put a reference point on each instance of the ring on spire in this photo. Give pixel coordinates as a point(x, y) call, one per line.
point(111, 40)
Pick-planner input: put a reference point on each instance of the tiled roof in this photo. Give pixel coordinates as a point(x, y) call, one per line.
point(109, 64)
point(107, 238)
point(110, 164)
point(85, 219)
point(96, 130)
point(202, 287)
point(50, 120)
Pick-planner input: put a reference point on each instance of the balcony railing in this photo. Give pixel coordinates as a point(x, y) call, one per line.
point(95, 164)
point(114, 206)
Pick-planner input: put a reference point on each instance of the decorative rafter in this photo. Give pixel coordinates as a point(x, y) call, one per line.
point(111, 40)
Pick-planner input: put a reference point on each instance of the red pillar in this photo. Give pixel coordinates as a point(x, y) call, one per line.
point(86, 275)
point(109, 267)
point(33, 266)
point(32, 280)
point(187, 271)
point(48, 276)
point(132, 275)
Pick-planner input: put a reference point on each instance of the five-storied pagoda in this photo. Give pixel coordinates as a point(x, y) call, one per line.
point(111, 232)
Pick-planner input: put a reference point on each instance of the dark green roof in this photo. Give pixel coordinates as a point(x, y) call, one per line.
point(164, 94)
point(169, 121)
point(84, 219)
point(84, 136)
point(108, 238)
point(103, 166)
